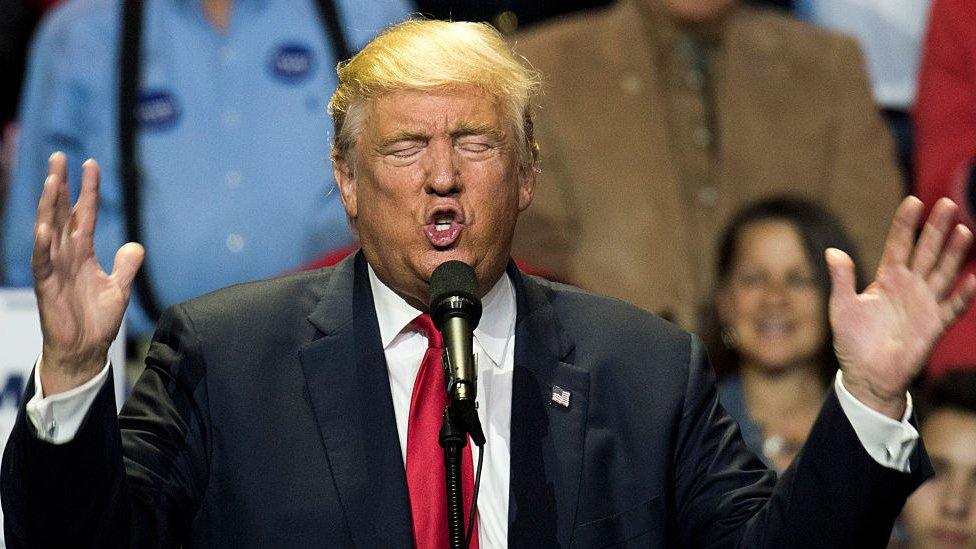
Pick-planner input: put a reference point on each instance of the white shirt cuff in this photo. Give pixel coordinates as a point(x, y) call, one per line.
point(889, 442)
point(57, 418)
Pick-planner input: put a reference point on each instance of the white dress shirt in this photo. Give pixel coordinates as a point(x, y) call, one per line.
point(57, 418)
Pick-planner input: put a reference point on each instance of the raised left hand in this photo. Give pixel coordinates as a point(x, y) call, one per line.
point(883, 335)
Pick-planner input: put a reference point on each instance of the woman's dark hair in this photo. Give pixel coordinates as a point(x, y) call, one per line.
point(818, 230)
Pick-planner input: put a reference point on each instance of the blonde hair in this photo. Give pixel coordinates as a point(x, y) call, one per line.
point(423, 54)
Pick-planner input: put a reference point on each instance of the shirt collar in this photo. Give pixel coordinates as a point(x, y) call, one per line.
point(392, 311)
point(494, 331)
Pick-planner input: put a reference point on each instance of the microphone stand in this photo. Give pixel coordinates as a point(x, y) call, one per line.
point(460, 420)
point(455, 309)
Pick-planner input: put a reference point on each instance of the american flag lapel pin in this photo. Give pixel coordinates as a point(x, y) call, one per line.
point(560, 396)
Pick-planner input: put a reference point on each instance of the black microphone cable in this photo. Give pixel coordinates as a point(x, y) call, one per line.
point(474, 496)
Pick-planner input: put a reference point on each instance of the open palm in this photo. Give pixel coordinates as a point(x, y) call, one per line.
point(883, 335)
point(81, 306)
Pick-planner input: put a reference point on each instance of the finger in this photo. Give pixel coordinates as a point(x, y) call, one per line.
point(127, 262)
point(960, 300)
point(843, 281)
point(85, 213)
point(929, 245)
point(58, 167)
point(45, 206)
point(44, 228)
point(942, 277)
point(898, 244)
point(41, 264)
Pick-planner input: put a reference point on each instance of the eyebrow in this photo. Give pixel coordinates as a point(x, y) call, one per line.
point(402, 135)
point(463, 130)
point(466, 129)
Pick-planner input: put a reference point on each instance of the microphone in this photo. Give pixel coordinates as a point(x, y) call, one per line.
point(455, 308)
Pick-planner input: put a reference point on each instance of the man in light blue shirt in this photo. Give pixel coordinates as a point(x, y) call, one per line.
point(231, 125)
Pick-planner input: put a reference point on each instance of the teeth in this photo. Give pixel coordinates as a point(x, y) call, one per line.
point(442, 225)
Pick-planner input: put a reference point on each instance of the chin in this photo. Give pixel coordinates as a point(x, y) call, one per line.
point(775, 365)
point(774, 360)
point(484, 263)
point(432, 258)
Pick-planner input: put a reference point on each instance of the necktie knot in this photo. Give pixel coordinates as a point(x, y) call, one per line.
point(425, 325)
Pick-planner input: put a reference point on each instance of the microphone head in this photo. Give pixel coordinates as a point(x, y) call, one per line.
point(454, 292)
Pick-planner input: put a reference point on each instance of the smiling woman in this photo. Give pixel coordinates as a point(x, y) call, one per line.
point(767, 329)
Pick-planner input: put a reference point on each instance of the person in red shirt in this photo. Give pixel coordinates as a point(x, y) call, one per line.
point(945, 126)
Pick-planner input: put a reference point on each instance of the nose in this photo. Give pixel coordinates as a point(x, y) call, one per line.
point(443, 175)
point(957, 497)
point(776, 291)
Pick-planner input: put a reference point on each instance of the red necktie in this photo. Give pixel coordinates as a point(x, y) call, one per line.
point(425, 457)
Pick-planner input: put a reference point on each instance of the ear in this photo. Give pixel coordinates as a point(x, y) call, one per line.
point(342, 171)
point(526, 183)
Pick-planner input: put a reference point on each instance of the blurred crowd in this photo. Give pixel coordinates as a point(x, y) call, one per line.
point(698, 157)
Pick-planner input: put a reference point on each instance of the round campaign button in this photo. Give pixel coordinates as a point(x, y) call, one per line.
point(292, 63)
point(157, 110)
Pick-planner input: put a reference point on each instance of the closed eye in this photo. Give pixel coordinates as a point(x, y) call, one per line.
point(475, 147)
point(405, 152)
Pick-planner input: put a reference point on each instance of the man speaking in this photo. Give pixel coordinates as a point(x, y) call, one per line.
point(297, 412)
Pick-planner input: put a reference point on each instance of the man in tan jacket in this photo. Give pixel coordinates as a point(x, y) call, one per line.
point(660, 118)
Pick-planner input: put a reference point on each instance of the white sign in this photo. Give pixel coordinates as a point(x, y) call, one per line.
point(20, 345)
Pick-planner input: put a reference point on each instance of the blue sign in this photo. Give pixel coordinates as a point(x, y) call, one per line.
point(157, 110)
point(292, 63)
point(12, 391)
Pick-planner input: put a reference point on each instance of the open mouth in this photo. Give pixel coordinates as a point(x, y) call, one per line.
point(444, 226)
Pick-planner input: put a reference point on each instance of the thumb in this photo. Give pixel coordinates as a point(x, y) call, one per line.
point(843, 281)
point(127, 262)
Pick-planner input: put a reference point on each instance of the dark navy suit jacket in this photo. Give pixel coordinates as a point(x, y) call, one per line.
point(264, 419)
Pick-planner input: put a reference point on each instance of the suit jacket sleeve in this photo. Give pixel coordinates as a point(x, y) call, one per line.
point(131, 481)
point(834, 494)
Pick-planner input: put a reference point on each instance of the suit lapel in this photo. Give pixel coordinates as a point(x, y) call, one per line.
point(349, 391)
point(546, 439)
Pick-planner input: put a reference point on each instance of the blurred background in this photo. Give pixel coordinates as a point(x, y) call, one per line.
point(697, 157)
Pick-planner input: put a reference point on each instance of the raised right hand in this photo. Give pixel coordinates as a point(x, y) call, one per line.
point(81, 307)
